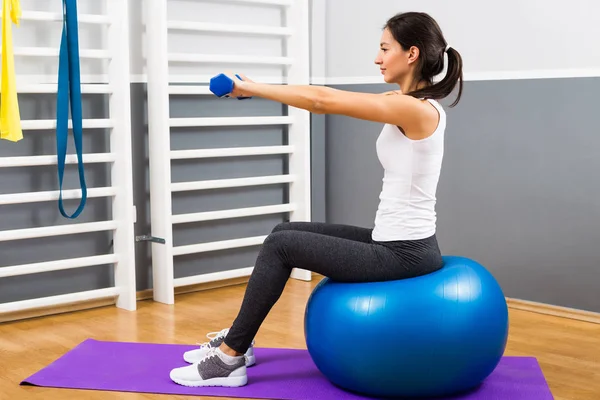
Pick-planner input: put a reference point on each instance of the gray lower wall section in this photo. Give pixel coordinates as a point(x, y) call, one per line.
point(318, 167)
point(519, 189)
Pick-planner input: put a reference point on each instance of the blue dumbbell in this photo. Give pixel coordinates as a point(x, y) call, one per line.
point(221, 85)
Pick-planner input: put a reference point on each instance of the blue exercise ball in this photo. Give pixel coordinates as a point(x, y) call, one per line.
point(433, 335)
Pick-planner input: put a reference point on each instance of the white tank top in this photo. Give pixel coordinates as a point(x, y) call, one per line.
point(412, 168)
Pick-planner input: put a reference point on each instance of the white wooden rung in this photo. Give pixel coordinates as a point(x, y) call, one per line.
point(58, 265)
point(71, 229)
point(230, 152)
point(229, 28)
point(230, 183)
point(59, 300)
point(52, 88)
point(205, 90)
point(41, 124)
point(220, 245)
point(53, 52)
point(58, 17)
point(32, 161)
point(190, 89)
point(233, 213)
point(230, 121)
point(38, 197)
point(203, 80)
point(257, 2)
point(229, 59)
point(212, 277)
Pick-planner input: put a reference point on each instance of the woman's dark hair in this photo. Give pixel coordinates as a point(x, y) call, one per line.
point(422, 31)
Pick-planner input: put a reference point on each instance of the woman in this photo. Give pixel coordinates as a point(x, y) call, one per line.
point(403, 242)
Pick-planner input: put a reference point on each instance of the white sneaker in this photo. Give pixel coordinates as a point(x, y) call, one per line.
point(216, 338)
point(212, 371)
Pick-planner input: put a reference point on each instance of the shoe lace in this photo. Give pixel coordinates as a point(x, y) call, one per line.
point(211, 353)
point(212, 336)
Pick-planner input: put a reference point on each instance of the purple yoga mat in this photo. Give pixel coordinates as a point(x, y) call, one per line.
point(285, 374)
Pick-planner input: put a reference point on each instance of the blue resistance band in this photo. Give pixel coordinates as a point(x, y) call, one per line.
point(69, 89)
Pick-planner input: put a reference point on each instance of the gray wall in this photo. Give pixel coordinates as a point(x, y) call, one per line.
point(518, 190)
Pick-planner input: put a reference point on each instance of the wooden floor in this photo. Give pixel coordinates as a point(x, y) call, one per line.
point(568, 350)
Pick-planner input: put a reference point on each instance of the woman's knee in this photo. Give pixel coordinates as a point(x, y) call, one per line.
point(282, 226)
point(276, 238)
point(276, 245)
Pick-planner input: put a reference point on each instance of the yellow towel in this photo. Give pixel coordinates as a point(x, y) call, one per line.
point(10, 119)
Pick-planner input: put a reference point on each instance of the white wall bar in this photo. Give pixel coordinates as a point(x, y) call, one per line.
point(33, 161)
point(159, 144)
point(231, 29)
point(58, 265)
point(204, 79)
point(52, 88)
point(228, 59)
point(213, 276)
point(42, 124)
point(297, 18)
point(231, 183)
point(257, 2)
point(53, 52)
point(58, 17)
point(233, 213)
point(220, 245)
point(190, 90)
point(71, 229)
point(229, 152)
point(53, 301)
point(121, 173)
point(230, 121)
point(53, 195)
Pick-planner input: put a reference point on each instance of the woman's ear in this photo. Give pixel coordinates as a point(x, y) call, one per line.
point(413, 54)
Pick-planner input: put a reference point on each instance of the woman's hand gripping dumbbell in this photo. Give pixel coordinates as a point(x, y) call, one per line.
point(228, 85)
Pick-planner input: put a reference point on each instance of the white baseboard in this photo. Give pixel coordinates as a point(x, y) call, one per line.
point(553, 310)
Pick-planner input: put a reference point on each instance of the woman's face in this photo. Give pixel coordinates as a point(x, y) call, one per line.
point(394, 62)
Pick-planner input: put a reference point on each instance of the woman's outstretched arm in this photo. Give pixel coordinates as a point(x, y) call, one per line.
point(400, 110)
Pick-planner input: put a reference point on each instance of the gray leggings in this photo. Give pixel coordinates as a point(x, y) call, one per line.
point(341, 252)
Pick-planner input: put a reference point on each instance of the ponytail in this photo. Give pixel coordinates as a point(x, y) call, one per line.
point(421, 30)
point(443, 88)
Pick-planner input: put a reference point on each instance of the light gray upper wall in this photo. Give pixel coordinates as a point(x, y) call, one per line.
point(318, 42)
point(519, 37)
point(518, 191)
